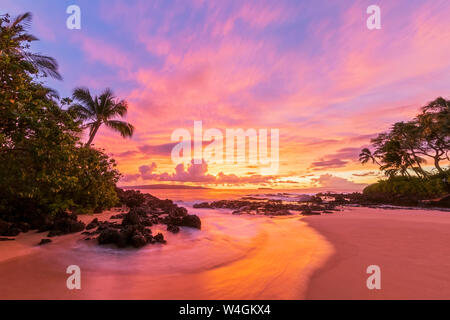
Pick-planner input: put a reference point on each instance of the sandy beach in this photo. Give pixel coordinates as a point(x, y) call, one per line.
point(246, 257)
point(232, 257)
point(410, 246)
point(224, 150)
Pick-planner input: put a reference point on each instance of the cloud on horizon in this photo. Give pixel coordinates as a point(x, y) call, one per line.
point(195, 173)
point(337, 183)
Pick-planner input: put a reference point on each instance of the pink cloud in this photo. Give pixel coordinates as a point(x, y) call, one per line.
point(329, 93)
point(195, 173)
point(328, 164)
point(101, 51)
point(334, 183)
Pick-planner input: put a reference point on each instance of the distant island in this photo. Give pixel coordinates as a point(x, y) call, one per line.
point(163, 186)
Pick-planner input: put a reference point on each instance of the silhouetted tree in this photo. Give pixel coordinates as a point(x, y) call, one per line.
point(402, 149)
point(100, 110)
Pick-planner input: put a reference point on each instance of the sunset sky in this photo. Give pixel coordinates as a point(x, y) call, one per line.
point(311, 69)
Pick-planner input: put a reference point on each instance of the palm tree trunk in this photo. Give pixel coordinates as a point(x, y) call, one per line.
point(94, 132)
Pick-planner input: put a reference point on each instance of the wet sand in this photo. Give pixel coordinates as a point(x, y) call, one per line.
point(232, 257)
point(246, 257)
point(412, 248)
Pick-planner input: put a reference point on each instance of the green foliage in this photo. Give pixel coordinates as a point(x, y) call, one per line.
point(43, 167)
point(414, 187)
point(402, 152)
point(96, 179)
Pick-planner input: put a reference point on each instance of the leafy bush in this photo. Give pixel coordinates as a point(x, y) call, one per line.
point(414, 187)
point(96, 180)
point(44, 169)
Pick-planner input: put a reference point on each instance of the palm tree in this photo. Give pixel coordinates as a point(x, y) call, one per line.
point(14, 34)
point(366, 156)
point(100, 110)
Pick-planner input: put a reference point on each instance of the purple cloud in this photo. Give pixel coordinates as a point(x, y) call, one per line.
point(328, 164)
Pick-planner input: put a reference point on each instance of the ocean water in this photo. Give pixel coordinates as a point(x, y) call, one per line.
point(232, 257)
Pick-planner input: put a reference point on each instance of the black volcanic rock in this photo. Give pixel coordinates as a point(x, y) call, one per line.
point(64, 224)
point(134, 229)
point(93, 224)
point(131, 218)
point(7, 239)
point(173, 228)
point(256, 206)
point(202, 205)
point(191, 221)
point(118, 216)
point(109, 235)
point(130, 198)
point(138, 240)
point(98, 210)
point(23, 227)
point(8, 229)
point(44, 241)
point(159, 238)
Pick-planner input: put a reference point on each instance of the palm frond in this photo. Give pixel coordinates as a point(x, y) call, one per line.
point(25, 37)
point(101, 110)
point(120, 108)
point(80, 111)
point(47, 65)
point(124, 128)
point(88, 125)
point(365, 156)
point(106, 103)
point(23, 19)
point(107, 94)
point(84, 96)
point(52, 93)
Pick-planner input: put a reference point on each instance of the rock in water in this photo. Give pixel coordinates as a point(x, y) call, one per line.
point(132, 218)
point(109, 235)
point(131, 198)
point(138, 240)
point(145, 211)
point(309, 212)
point(159, 238)
point(191, 221)
point(202, 205)
point(173, 228)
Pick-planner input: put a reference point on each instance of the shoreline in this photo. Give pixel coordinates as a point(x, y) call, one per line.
point(409, 246)
point(285, 257)
point(234, 257)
